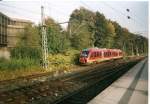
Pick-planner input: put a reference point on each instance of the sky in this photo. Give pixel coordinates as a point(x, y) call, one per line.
point(60, 11)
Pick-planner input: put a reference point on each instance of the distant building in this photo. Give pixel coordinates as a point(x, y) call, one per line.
point(9, 32)
point(4, 21)
point(15, 27)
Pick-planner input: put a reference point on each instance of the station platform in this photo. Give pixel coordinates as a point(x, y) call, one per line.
point(131, 88)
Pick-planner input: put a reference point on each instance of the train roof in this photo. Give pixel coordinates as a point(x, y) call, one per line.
point(100, 49)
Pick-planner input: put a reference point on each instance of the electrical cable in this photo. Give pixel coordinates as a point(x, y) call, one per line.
point(121, 13)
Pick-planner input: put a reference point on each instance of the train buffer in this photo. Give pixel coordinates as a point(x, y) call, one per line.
point(131, 88)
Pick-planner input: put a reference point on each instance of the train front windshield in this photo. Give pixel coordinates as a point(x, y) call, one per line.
point(84, 54)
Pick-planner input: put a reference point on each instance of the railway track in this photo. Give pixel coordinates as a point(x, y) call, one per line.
point(34, 79)
point(60, 89)
point(95, 85)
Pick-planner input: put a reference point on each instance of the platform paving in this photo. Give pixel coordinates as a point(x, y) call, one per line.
point(131, 88)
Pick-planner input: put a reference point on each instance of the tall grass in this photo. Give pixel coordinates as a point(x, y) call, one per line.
point(22, 66)
point(15, 64)
point(26, 52)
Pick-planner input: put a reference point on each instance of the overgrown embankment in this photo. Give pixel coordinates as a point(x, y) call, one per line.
point(17, 67)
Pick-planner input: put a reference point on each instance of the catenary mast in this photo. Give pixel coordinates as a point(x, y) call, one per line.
point(44, 40)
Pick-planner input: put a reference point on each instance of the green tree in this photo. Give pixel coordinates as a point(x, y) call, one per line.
point(118, 39)
point(110, 35)
point(104, 32)
point(58, 40)
point(80, 28)
point(28, 45)
point(100, 29)
point(30, 37)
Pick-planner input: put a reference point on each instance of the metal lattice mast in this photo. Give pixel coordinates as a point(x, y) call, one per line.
point(44, 41)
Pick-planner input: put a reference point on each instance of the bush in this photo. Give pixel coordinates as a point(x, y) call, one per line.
point(22, 58)
point(25, 60)
point(14, 64)
point(26, 52)
point(68, 57)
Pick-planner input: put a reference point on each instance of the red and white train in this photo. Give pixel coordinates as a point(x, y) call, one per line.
point(96, 55)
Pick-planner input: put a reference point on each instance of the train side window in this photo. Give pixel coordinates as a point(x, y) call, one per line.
point(120, 53)
point(95, 54)
point(100, 54)
point(92, 55)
